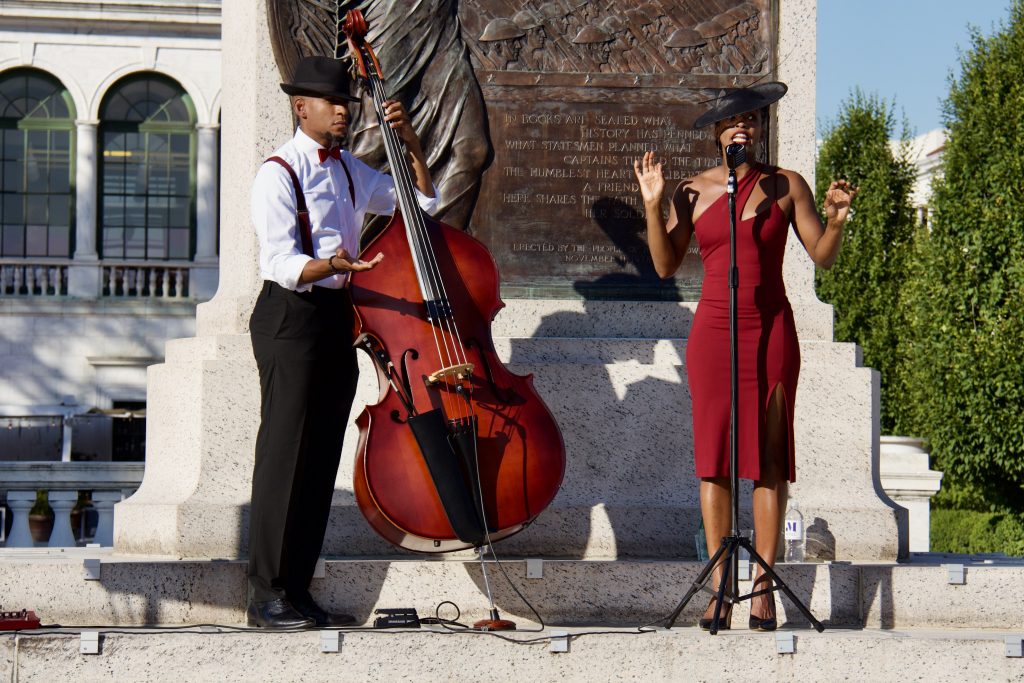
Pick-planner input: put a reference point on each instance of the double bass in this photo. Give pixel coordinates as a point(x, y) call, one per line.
point(457, 452)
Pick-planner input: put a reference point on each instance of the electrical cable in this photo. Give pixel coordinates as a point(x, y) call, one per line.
point(451, 626)
point(648, 627)
point(223, 629)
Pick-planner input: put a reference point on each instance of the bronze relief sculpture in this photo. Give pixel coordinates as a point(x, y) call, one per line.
point(426, 66)
point(531, 112)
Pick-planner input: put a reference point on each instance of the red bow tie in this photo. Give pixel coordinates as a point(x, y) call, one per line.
point(333, 153)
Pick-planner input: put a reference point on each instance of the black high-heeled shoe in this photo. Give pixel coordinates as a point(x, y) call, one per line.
point(769, 622)
point(724, 619)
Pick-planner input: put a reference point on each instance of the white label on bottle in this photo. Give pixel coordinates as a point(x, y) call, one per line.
point(793, 531)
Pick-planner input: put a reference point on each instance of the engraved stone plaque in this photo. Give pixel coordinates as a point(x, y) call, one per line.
point(573, 91)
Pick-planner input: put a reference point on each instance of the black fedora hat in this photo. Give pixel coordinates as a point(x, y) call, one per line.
point(320, 77)
point(740, 101)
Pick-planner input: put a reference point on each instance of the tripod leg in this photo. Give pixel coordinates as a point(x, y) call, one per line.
point(781, 585)
point(730, 544)
point(701, 579)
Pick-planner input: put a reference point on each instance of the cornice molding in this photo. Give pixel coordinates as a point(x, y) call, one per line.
point(203, 12)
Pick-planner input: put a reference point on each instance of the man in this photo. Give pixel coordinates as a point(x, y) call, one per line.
point(301, 328)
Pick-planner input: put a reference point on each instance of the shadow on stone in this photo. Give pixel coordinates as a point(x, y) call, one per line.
point(821, 543)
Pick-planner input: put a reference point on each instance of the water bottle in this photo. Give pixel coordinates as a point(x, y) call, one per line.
point(700, 540)
point(795, 538)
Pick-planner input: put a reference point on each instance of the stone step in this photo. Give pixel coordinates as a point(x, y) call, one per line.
point(539, 318)
point(133, 590)
point(545, 351)
point(681, 654)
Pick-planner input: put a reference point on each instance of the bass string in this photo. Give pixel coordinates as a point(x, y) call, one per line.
point(401, 181)
point(417, 233)
point(454, 350)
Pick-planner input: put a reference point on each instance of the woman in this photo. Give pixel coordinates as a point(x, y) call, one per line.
point(768, 201)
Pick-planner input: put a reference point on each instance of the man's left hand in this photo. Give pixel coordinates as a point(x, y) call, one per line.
point(398, 120)
point(345, 261)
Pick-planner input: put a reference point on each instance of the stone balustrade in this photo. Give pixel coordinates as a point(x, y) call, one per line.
point(117, 279)
point(146, 279)
point(906, 478)
point(27, 278)
point(110, 482)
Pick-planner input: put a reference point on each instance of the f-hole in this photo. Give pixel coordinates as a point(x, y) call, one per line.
point(500, 394)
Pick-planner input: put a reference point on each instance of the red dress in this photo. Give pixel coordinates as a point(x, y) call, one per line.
point(768, 350)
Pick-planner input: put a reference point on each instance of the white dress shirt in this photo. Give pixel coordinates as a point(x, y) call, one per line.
point(334, 222)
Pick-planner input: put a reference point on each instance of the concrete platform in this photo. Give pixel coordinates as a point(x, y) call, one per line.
point(140, 591)
point(683, 654)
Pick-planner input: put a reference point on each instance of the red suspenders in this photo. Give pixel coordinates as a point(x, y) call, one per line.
point(302, 211)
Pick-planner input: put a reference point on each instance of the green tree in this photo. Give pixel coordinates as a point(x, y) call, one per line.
point(964, 351)
point(867, 281)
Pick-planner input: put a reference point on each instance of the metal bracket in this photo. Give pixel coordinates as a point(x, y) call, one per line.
point(534, 568)
point(91, 569)
point(956, 574)
point(1014, 646)
point(785, 643)
point(743, 567)
point(559, 641)
point(330, 641)
point(320, 570)
point(89, 643)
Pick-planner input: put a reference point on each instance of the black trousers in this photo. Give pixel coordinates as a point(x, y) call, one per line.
point(308, 372)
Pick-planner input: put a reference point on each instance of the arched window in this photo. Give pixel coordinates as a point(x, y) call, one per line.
point(148, 161)
point(37, 124)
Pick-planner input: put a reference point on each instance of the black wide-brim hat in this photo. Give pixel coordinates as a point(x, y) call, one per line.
point(320, 77)
point(740, 101)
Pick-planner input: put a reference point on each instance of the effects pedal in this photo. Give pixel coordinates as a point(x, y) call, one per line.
point(403, 617)
point(18, 621)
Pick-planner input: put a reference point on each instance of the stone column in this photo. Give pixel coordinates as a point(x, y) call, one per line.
point(84, 276)
point(204, 271)
point(203, 401)
point(907, 479)
point(837, 403)
point(21, 503)
point(62, 502)
point(104, 502)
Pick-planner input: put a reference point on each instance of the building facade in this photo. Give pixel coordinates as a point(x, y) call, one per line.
point(109, 179)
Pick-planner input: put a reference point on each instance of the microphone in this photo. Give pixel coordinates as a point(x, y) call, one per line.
point(735, 154)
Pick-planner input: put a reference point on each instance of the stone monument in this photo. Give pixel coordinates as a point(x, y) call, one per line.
point(549, 105)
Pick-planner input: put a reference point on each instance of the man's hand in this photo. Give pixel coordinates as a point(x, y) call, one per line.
point(342, 260)
point(398, 120)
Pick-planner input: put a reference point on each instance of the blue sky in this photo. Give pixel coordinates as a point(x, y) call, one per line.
point(902, 49)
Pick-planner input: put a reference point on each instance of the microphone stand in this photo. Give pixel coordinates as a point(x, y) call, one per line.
point(494, 622)
point(729, 551)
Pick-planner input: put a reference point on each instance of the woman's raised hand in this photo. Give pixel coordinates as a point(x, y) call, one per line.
point(650, 177)
point(837, 201)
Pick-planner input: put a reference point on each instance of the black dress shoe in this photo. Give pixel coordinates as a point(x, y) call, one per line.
point(321, 617)
point(276, 614)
